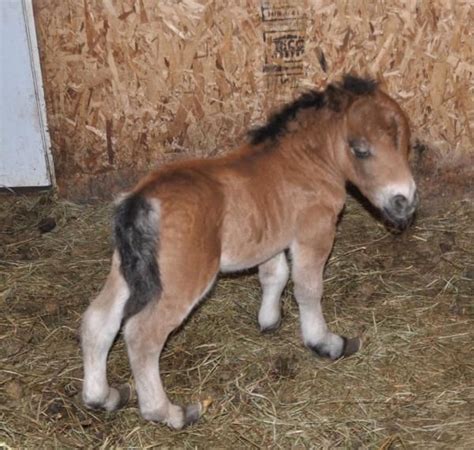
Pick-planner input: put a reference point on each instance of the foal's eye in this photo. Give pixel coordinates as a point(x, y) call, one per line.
point(360, 149)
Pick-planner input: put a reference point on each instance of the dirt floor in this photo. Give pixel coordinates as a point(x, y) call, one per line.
point(409, 296)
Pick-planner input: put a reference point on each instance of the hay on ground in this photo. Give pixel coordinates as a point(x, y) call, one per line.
point(408, 296)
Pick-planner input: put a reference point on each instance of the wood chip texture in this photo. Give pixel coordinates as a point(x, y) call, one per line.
point(130, 84)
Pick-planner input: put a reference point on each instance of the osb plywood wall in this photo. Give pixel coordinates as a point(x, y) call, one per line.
point(131, 83)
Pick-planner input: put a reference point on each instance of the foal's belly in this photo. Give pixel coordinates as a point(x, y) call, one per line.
point(235, 263)
point(242, 249)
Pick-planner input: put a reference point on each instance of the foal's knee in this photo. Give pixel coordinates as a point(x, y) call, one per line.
point(96, 327)
point(143, 334)
point(275, 272)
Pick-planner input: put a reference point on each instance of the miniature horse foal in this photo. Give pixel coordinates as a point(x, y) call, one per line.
point(283, 190)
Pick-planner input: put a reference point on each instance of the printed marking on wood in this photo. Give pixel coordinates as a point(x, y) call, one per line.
point(284, 36)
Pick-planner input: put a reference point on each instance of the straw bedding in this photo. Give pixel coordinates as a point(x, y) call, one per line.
point(409, 296)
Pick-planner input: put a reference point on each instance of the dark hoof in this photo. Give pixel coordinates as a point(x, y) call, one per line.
point(350, 346)
point(125, 393)
point(94, 406)
point(193, 412)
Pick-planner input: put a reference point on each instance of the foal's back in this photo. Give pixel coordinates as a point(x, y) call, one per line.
point(237, 205)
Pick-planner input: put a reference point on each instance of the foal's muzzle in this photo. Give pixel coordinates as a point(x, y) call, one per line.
point(400, 211)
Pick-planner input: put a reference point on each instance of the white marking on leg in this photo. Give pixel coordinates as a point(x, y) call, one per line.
point(308, 281)
point(316, 334)
point(100, 325)
point(273, 276)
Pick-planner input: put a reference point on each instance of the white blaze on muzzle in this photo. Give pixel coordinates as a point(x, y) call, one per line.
point(388, 196)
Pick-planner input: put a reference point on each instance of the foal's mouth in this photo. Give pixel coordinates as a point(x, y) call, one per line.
point(400, 223)
point(399, 212)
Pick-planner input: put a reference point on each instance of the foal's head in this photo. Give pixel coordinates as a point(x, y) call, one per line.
point(376, 150)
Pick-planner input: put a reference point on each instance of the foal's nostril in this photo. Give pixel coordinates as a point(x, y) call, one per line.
point(399, 203)
point(399, 210)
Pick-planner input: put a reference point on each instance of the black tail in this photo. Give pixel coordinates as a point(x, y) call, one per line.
point(136, 239)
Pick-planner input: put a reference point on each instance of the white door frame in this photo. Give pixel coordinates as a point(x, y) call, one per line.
point(28, 15)
point(38, 81)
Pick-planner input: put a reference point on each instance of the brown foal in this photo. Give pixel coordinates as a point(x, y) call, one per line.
point(189, 220)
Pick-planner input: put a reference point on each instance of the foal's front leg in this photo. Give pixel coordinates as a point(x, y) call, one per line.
point(309, 258)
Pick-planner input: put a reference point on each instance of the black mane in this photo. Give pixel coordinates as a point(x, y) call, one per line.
point(359, 86)
point(277, 123)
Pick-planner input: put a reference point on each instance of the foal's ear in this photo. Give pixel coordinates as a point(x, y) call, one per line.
point(337, 99)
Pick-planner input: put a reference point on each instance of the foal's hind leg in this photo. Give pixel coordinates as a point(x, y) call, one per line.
point(309, 257)
point(145, 335)
point(273, 275)
point(100, 325)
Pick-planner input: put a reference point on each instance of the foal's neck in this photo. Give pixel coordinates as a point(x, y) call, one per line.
point(313, 144)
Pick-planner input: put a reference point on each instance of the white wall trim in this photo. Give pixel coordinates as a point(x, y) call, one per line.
point(38, 84)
